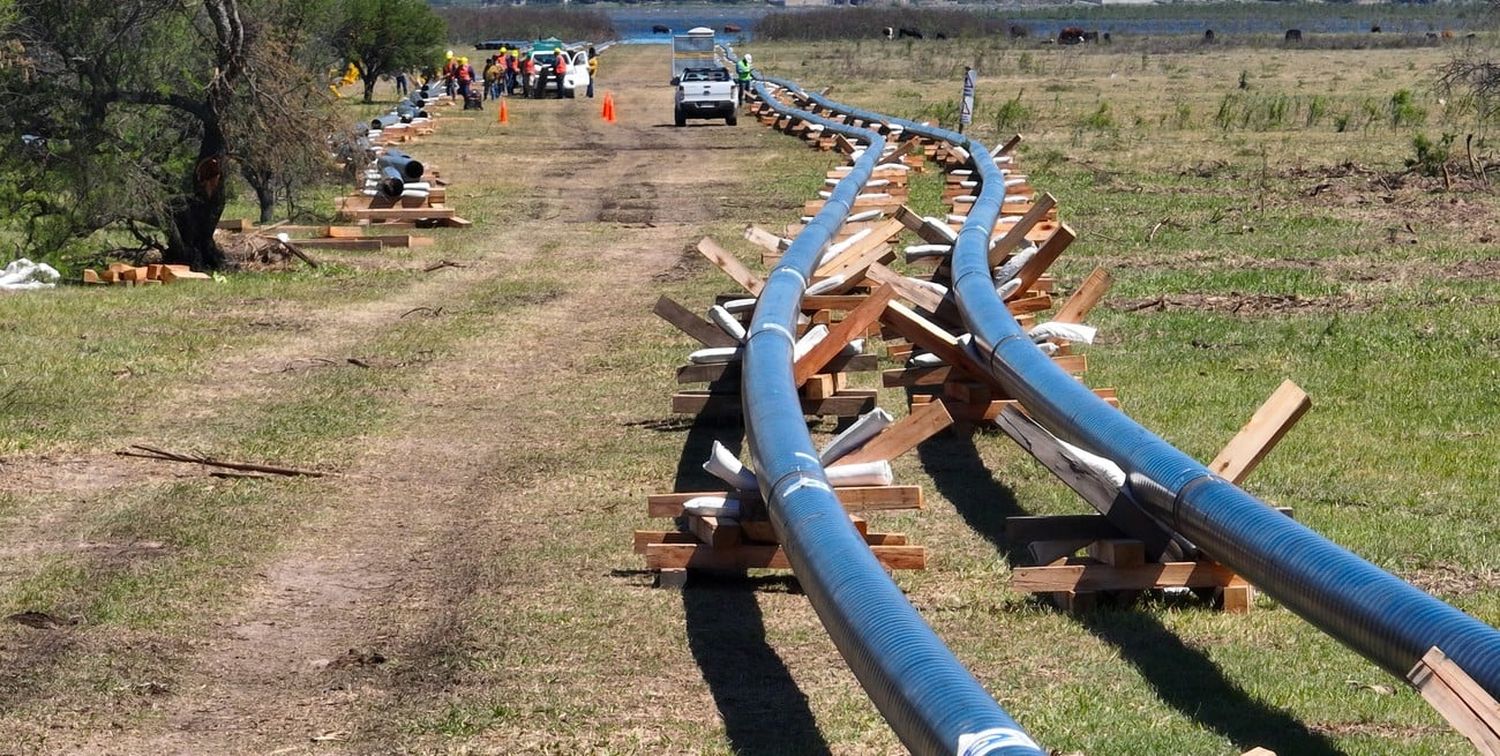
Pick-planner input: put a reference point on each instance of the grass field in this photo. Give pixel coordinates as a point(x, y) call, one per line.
point(465, 584)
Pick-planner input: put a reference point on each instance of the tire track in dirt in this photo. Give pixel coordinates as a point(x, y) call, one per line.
point(403, 543)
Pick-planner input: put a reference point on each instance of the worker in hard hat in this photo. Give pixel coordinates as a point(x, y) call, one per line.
point(450, 74)
point(742, 68)
point(593, 68)
point(559, 69)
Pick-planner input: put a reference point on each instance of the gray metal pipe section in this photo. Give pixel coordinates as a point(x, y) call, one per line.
point(407, 166)
point(1378, 615)
point(930, 700)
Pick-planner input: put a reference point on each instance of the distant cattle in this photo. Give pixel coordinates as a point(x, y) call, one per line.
point(1105, 38)
point(732, 29)
point(1208, 37)
point(889, 33)
point(1070, 35)
point(904, 33)
point(941, 35)
point(661, 29)
point(1018, 31)
point(1447, 34)
point(1432, 35)
point(1375, 29)
point(1293, 35)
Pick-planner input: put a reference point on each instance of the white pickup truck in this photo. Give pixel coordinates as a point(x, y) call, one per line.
point(708, 92)
point(575, 79)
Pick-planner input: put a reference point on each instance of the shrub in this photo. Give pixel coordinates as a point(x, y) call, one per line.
point(1429, 157)
point(1404, 111)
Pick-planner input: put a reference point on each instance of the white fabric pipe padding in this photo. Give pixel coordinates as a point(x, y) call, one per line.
point(864, 216)
point(370, 192)
point(722, 464)
point(1048, 348)
point(965, 199)
point(1008, 288)
point(715, 356)
point(827, 284)
point(877, 183)
point(941, 290)
point(809, 340)
point(1015, 181)
point(737, 306)
point(816, 127)
point(1002, 159)
point(1106, 468)
point(919, 251)
point(729, 323)
point(825, 194)
point(1013, 266)
point(712, 506)
point(834, 250)
point(862, 474)
point(968, 184)
point(938, 225)
point(1053, 329)
point(807, 219)
point(926, 359)
point(862, 430)
point(874, 196)
point(962, 172)
point(962, 153)
point(957, 218)
point(414, 193)
point(423, 185)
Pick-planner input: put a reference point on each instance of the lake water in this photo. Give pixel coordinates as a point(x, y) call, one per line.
point(634, 22)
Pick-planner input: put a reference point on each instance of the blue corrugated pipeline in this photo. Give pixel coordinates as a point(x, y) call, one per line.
point(930, 700)
point(1382, 617)
point(1373, 612)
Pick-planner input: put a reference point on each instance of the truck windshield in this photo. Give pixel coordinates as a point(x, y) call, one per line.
point(705, 74)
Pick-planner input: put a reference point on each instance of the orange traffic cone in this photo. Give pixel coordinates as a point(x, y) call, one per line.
point(609, 107)
point(504, 116)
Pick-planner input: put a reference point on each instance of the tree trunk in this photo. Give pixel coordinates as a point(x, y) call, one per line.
point(264, 184)
point(190, 233)
point(370, 88)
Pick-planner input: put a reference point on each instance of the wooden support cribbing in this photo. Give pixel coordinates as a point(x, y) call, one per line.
point(923, 333)
point(763, 238)
point(913, 292)
point(917, 224)
point(842, 144)
point(730, 371)
point(1085, 297)
point(731, 265)
point(901, 151)
point(660, 556)
point(1044, 257)
point(1455, 695)
point(1008, 147)
point(854, 499)
point(1101, 577)
point(1012, 239)
point(936, 375)
point(688, 322)
point(713, 531)
point(850, 403)
point(851, 327)
point(862, 253)
point(902, 436)
point(1099, 491)
point(1260, 435)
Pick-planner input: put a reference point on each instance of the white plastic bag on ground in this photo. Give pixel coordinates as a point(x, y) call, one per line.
point(23, 275)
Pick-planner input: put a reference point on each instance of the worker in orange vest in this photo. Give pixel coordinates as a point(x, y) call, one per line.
point(559, 69)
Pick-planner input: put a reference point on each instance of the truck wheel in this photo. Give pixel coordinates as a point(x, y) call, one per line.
point(679, 118)
point(733, 119)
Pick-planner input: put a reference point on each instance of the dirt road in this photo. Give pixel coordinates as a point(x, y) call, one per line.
point(467, 578)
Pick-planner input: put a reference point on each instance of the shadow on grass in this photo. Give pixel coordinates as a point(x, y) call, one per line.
point(1186, 679)
point(1182, 677)
point(763, 709)
point(953, 462)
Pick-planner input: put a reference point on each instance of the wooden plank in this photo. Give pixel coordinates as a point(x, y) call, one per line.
point(714, 532)
point(691, 556)
point(855, 256)
point(359, 245)
point(644, 538)
point(1085, 297)
point(1119, 552)
point(851, 327)
point(397, 213)
point(902, 150)
point(928, 336)
point(688, 322)
point(1012, 239)
point(854, 499)
point(849, 404)
point(913, 292)
point(731, 265)
point(235, 224)
point(730, 371)
point(1044, 257)
point(1095, 488)
point(902, 436)
point(936, 375)
point(1260, 435)
point(1459, 699)
point(763, 238)
point(1103, 577)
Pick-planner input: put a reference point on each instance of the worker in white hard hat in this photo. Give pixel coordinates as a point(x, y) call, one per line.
point(745, 75)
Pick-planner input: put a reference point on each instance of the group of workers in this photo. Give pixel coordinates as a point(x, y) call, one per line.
point(510, 70)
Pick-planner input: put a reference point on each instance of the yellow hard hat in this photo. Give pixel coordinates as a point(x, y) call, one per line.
point(463, 60)
point(450, 54)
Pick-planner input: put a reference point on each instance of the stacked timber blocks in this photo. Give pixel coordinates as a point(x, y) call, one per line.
point(121, 274)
